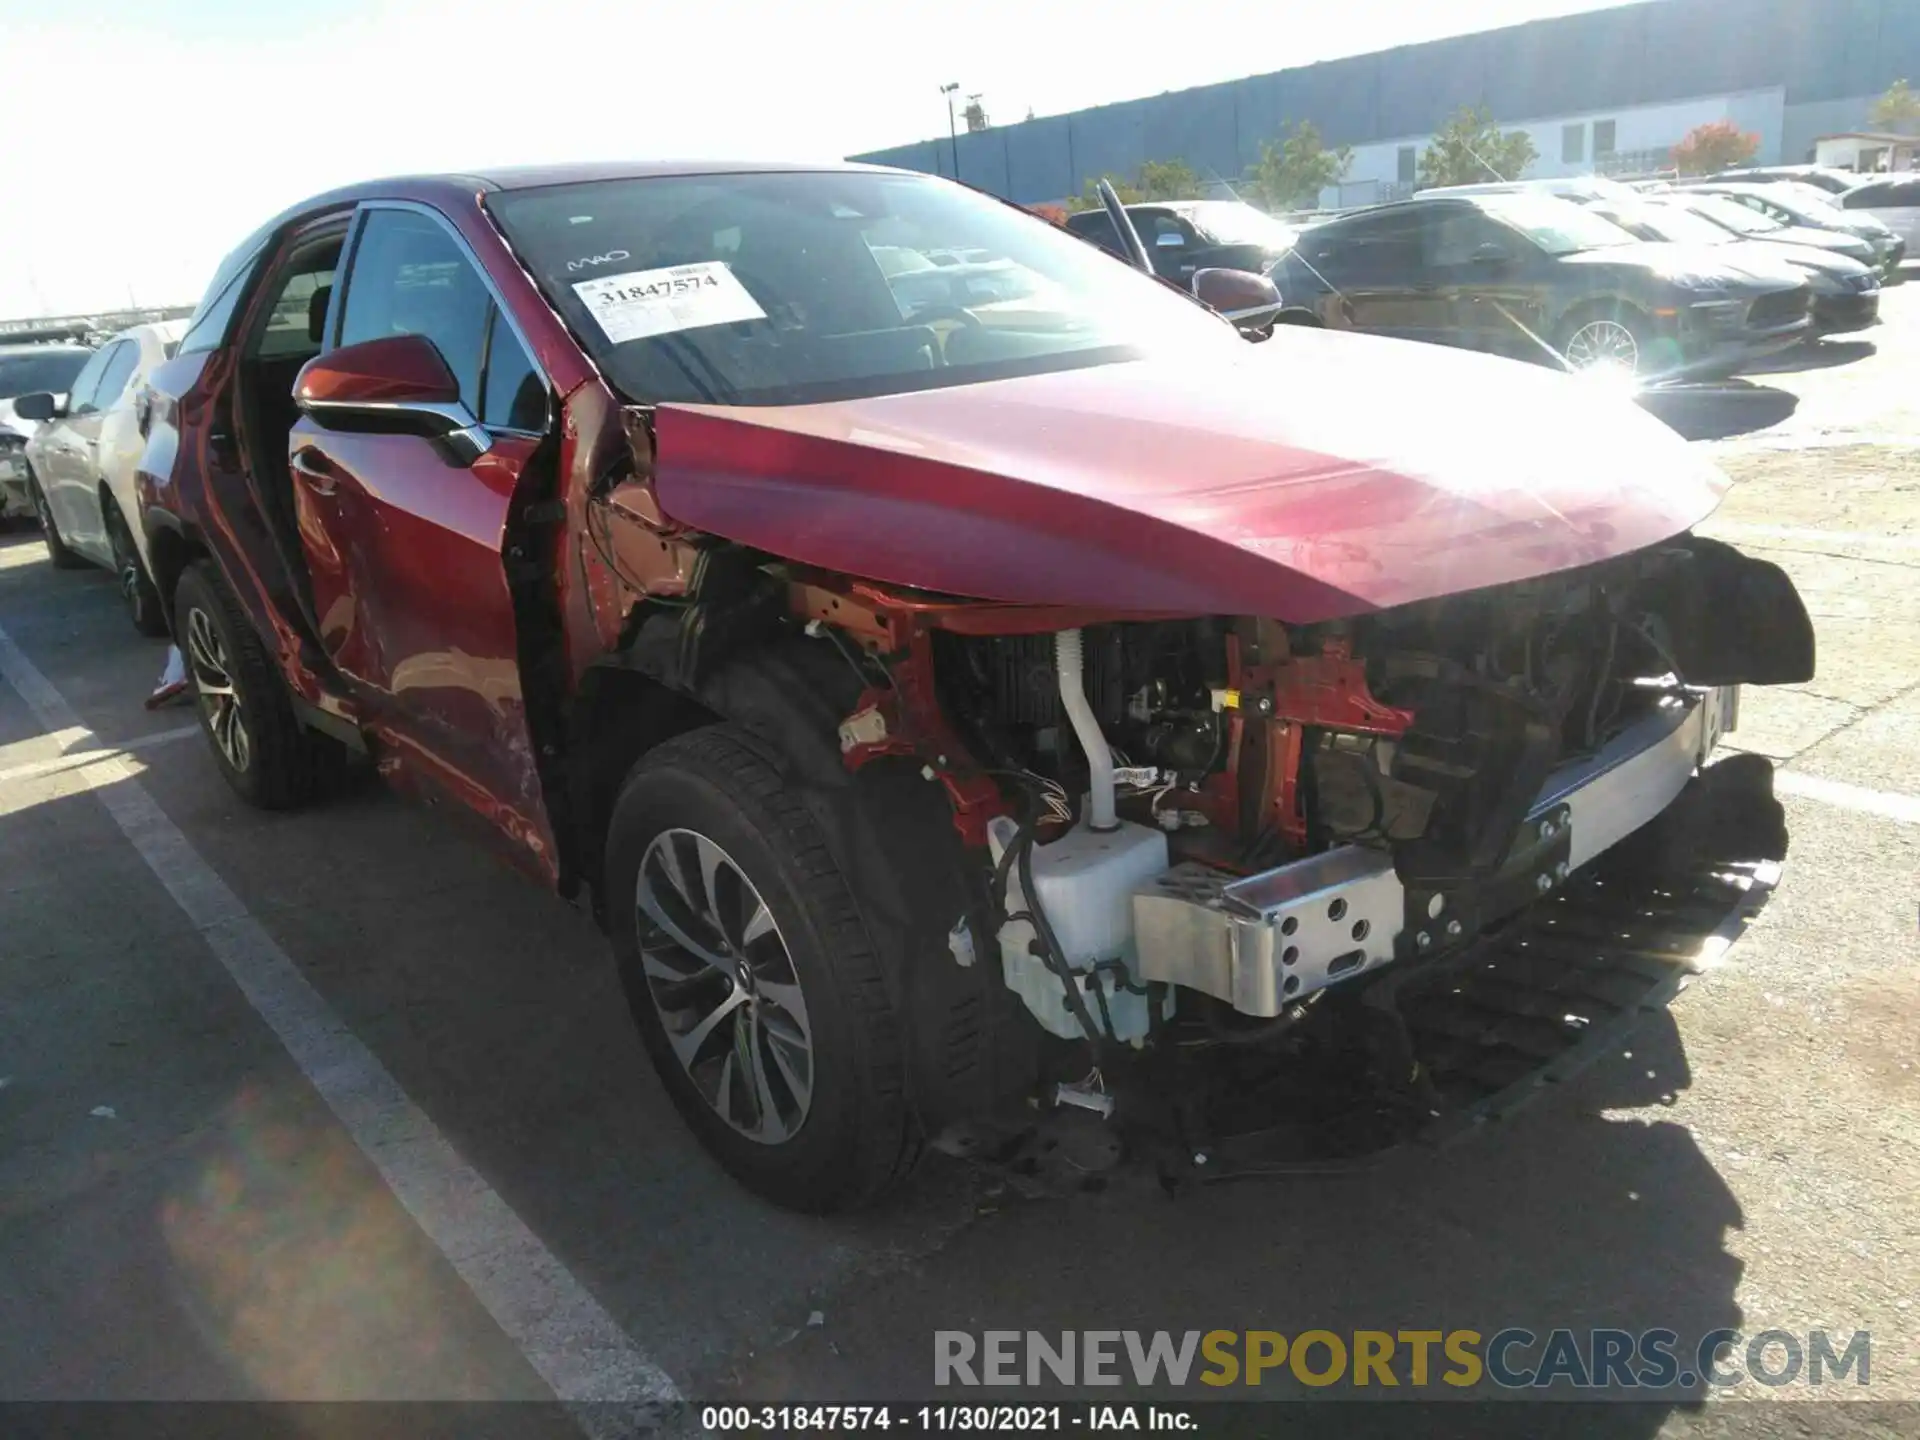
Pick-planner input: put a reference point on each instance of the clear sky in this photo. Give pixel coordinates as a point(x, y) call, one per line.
point(144, 138)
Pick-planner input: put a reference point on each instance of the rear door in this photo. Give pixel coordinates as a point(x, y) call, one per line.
point(1894, 203)
point(403, 534)
point(1489, 280)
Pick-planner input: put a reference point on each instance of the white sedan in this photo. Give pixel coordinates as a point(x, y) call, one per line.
point(80, 465)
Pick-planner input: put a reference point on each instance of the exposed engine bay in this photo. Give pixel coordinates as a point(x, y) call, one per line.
point(1251, 810)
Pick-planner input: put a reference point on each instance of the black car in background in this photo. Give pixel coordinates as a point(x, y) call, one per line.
point(1539, 278)
point(1183, 236)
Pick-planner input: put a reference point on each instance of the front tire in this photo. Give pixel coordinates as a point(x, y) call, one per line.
point(751, 977)
point(144, 608)
point(1608, 337)
point(269, 758)
point(62, 557)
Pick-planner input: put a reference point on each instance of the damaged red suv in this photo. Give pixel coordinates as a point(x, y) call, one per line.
point(1021, 714)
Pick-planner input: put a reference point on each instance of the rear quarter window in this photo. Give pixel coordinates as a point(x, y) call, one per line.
point(1885, 195)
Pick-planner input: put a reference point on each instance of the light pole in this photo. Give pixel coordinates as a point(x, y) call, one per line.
point(953, 133)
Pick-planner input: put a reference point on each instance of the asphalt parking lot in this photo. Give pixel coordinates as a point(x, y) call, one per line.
point(330, 1106)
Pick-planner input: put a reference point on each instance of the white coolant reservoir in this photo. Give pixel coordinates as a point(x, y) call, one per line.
point(1084, 882)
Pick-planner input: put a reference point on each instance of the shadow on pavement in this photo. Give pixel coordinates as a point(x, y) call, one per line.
point(1820, 355)
point(1717, 411)
point(1572, 1215)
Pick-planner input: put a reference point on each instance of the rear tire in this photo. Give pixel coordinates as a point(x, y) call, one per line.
point(57, 551)
point(144, 607)
point(761, 971)
point(269, 758)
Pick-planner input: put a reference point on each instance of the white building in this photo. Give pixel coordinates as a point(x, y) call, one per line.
point(1624, 140)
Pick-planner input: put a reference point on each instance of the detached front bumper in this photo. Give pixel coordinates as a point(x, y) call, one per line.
point(1262, 942)
point(1840, 314)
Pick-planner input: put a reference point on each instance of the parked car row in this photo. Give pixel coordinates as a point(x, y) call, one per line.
point(1663, 283)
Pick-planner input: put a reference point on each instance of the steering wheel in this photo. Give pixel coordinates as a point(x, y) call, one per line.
point(959, 314)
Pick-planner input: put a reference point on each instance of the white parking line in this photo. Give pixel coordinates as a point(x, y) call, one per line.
point(568, 1338)
point(1736, 530)
point(78, 759)
point(1890, 804)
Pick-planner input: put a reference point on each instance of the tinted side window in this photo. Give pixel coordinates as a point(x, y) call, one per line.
point(514, 396)
point(87, 383)
point(1884, 195)
point(411, 277)
point(208, 328)
point(1096, 226)
point(126, 355)
point(1161, 230)
point(1449, 239)
point(1379, 245)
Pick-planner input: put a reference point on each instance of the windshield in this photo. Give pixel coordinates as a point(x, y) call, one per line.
point(1229, 222)
point(52, 371)
point(1668, 222)
point(1730, 214)
point(1805, 203)
point(1557, 226)
point(786, 288)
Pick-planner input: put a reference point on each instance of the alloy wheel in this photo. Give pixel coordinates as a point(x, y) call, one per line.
point(1603, 343)
point(725, 987)
point(213, 683)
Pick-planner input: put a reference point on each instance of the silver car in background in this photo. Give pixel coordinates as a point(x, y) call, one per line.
point(1893, 200)
point(81, 463)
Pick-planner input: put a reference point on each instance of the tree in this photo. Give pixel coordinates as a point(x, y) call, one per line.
point(1169, 180)
point(1156, 180)
point(1717, 145)
point(1291, 173)
point(1052, 214)
point(1470, 149)
point(1898, 110)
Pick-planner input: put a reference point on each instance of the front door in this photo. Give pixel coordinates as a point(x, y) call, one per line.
point(1485, 273)
point(403, 534)
point(74, 496)
point(61, 449)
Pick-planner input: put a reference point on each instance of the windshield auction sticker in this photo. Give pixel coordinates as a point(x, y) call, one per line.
point(642, 303)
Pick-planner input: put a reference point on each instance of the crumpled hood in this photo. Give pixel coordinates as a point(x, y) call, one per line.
point(1307, 477)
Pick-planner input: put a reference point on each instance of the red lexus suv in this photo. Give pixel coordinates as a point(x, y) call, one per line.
point(983, 694)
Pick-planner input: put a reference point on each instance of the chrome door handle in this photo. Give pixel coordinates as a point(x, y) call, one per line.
point(321, 482)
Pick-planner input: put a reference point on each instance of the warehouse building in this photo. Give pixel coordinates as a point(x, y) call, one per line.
point(1609, 91)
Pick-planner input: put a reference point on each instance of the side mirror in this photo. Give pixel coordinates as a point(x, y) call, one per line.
point(1492, 254)
point(1169, 240)
point(396, 383)
point(38, 405)
point(1250, 301)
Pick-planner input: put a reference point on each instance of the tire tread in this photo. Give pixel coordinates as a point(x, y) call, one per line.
point(888, 1142)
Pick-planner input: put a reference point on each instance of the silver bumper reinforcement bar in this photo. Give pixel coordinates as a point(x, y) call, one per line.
point(1261, 942)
